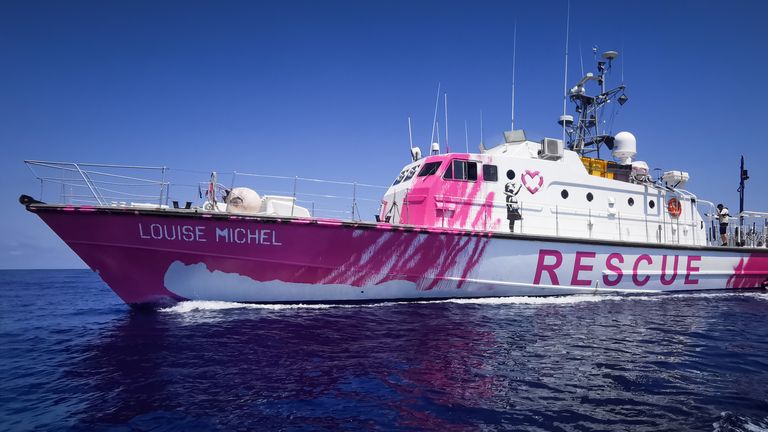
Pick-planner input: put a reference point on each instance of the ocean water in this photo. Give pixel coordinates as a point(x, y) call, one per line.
point(73, 357)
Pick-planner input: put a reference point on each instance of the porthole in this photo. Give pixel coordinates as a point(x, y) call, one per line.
point(631, 201)
point(510, 174)
point(564, 194)
point(590, 197)
point(651, 204)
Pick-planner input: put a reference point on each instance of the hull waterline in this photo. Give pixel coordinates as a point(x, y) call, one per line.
point(157, 257)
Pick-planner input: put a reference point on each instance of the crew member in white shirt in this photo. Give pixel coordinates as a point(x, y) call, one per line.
point(723, 216)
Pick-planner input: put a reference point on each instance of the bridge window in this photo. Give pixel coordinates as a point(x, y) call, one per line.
point(490, 173)
point(400, 177)
point(461, 170)
point(472, 171)
point(429, 169)
point(410, 174)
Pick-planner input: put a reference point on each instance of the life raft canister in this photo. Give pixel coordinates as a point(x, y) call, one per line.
point(674, 208)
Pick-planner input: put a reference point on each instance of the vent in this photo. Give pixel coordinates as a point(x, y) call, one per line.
point(552, 149)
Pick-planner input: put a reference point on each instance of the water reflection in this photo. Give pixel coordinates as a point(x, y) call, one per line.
point(642, 364)
point(328, 368)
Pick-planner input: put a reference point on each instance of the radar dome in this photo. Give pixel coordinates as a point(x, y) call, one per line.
point(624, 147)
point(243, 200)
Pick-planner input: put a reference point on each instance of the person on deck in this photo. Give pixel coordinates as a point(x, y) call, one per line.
point(511, 189)
point(723, 216)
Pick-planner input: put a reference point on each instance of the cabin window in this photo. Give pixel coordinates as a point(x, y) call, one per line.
point(400, 177)
point(429, 169)
point(449, 172)
point(410, 174)
point(472, 171)
point(590, 197)
point(461, 170)
point(631, 201)
point(510, 174)
point(490, 173)
point(564, 194)
point(651, 204)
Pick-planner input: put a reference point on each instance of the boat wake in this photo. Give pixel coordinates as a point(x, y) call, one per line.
point(210, 305)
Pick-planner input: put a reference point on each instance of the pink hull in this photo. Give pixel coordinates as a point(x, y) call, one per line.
point(164, 256)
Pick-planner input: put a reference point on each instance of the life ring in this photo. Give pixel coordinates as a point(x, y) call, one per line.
point(674, 208)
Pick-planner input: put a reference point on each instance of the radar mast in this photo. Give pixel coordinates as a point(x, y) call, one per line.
point(584, 135)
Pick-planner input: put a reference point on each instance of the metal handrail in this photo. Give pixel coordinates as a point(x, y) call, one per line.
point(106, 188)
point(310, 179)
point(106, 183)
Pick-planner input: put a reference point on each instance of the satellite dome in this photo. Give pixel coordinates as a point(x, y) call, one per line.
point(624, 147)
point(243, 200)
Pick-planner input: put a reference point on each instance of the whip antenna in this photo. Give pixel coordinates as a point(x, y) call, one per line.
point(514, 54)
point(434, 118)
point(466, 136)
point(482, 141)
point(565, 79)
point(447, 146)
point(410, 133)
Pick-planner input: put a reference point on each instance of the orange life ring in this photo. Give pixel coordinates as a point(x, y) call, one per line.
point(674, 208)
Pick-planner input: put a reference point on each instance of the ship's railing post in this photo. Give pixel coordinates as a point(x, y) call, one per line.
point(521, 217)
point(90, 185)
point(354, 199)
point(63, 187)
point(293, 202)
point(557, 222)
point(162, 187)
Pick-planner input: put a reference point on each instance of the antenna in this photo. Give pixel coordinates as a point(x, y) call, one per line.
point(434, 118)
point(565, 80)
point(622, 63)
point(482, 141)
point(581, 59)
point(514, 54)
point(447, 147)
point(743, 177)
point(466, 136)
point(410, 133)
point(437, 129)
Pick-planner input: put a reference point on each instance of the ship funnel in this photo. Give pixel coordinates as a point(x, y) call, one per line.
point(624, 147)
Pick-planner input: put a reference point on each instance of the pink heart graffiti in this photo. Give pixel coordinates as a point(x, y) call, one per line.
point(530, 178)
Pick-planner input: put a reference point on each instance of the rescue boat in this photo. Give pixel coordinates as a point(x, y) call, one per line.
point(523, 218)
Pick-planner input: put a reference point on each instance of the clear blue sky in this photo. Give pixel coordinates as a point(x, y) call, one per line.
point(323, 89)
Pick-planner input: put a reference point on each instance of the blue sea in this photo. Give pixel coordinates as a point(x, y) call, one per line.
point(74, 357)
